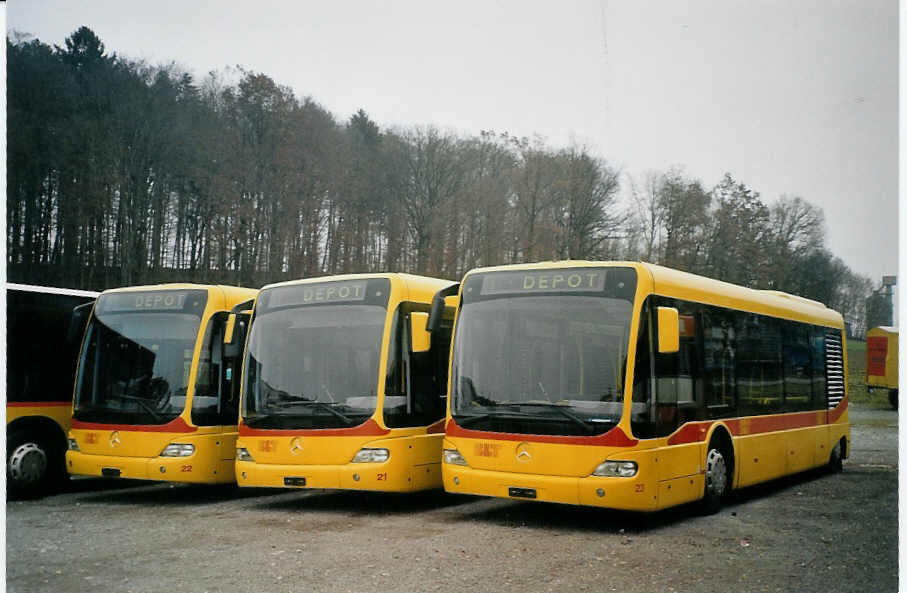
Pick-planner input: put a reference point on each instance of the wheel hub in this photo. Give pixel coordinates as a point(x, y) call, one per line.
point(27, 464)
point(715, 473)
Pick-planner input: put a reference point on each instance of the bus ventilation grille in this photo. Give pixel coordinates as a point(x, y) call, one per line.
point(834, 368)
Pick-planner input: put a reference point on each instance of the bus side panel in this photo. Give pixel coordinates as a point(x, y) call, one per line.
point(677, 461)
point(426, 461)
point(761, 457)
point(59, 412)
point(801, 449)
point(680, 490)
point(822, 447)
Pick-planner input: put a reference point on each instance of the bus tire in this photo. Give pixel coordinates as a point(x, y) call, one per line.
point(836, 459)
point(893, 398)
point(717, 478)
point(30, 465)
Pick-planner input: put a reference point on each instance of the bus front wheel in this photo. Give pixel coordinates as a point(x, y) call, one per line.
point(893, 398)
point(716, 480)
point(28, 465)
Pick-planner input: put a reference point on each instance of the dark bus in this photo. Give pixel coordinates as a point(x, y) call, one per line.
point(42, 347)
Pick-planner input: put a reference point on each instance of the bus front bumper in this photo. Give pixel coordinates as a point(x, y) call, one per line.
point(351, 476)
point(165, 469)
point(634, 494)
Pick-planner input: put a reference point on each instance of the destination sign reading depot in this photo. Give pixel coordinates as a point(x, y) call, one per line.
point(146, 301)
point(544, 281)
point(310, 294)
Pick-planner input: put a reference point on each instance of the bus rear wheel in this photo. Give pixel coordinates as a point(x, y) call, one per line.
point(836, 459)
point(716, 480)
point(893, 398)
point(29, 465)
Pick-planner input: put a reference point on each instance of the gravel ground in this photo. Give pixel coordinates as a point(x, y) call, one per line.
point(812, 532)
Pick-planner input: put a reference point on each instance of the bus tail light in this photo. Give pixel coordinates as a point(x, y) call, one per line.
point(371, 456)
point(616, 469)
point(453, 457)
point(242, 454)
point(73, 445)
point(178, 450)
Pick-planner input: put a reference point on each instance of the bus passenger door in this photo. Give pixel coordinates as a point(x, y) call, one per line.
point(678, 400)
point(216, 398)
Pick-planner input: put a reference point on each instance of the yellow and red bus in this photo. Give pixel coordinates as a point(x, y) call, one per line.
point(634, 386)
point(156, 395)
point(882, 361)
point(41, 365)
point(343, 387)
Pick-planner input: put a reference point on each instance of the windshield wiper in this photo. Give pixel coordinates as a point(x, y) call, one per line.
point(295, 400)
point(464, 419)
point(140, 401)
point(561, 409)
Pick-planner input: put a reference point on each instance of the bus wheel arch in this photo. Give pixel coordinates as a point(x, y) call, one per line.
point(35, 457)
point(719, 469)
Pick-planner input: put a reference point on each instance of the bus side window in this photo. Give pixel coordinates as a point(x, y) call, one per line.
point(758, 371)
point(216, 399)
point(415, 392)
point(642, 423)
point(797, 367)
point(817, 359)
point(719, 345)
point(678, 376)
point(232, 367)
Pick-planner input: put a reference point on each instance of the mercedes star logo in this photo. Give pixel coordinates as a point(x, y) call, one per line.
point(296, 446)
point(115, 438)
point(522, 452)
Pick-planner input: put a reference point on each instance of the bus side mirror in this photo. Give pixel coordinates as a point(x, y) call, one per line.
point(437, 306)
point(234, 339)
point(420, 338)
point(228, 331)
point(77, 322)
point(668, 330)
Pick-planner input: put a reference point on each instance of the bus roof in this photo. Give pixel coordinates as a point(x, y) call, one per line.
point(177, 286)
point(883, 329)
point(671, 282)
point(51, 290)
point(410, 279)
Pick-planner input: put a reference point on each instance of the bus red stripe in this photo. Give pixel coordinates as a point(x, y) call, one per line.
point(613, 438)
point(835, 415)
point(693, 432)
point(367, 428)
point(176, 425)
point(36, 404)
point(435, 428)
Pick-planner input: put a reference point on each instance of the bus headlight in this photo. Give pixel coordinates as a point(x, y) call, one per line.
point(73, 445)
point(453, 457)
point(616, 469)
point(178, 450)
point(371, 456)
point(242, 454)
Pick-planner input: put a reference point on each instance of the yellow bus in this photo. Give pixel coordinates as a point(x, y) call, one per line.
point(882, 361)
point(155, 396)
point(41, 365)
point(634, 386)
point(343, 387)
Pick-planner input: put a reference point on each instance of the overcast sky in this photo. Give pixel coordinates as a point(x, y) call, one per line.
point(789, 97)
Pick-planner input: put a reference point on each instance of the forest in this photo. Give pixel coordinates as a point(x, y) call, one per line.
point(124, 173)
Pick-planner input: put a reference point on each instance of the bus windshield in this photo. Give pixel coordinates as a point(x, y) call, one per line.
point(134, 367)
point(314, 366)
point(546, 360)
